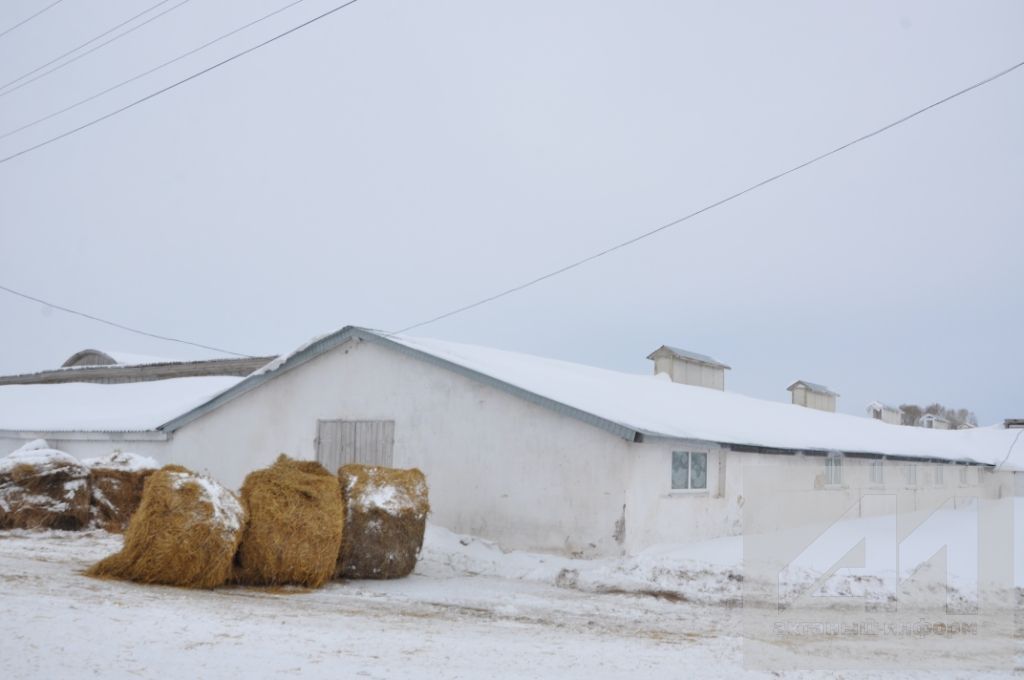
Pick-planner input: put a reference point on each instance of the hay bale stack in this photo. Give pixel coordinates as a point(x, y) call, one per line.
point(385, 516)
point(185, 533)
point(295, 522)
point(42, 488)
point(115, 484)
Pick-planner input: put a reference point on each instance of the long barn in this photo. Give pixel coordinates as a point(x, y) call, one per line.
point(531, 452)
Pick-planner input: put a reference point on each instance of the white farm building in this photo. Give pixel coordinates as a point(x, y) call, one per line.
point(530, 452)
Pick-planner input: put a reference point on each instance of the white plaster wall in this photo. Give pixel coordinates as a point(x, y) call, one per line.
point(90, 448)
point(655, 513)
point(498, 466)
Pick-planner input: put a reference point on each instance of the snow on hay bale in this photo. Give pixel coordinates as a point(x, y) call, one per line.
point(385, 516)
point(295, 522)
point(116, 483)
point(42, 488)
point(185, 533)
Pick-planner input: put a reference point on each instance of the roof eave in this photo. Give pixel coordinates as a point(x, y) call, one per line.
point(88, 435)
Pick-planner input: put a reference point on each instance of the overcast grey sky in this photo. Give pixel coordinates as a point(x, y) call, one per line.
point(399, 159)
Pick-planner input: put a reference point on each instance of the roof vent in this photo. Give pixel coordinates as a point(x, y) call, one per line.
point(813, 395)
point(688, 368)
point(886, 413)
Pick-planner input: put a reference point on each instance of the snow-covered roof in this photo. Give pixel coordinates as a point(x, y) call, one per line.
point(132, 359)
point(883, 407)
point(662, 408)
point(687, 355)
point(130, 407)
point(631, 404)
point(813, 387)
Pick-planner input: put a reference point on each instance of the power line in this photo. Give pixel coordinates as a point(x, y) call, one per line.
point(150, 71)
point(25, 21)
point(1009, 451)
point(176, 84)
point(85, 44)
point(121, 326)
point(710, 206)
point(75, 58)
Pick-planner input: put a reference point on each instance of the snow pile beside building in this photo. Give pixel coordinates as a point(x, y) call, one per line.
point(712, 572)
point(705, 572)
point(42, 488)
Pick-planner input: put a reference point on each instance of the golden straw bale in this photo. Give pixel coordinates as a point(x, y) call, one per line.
point(116, 482)
point(385, 517)
point(295, 522)
point(42, 488)
point(185, 533)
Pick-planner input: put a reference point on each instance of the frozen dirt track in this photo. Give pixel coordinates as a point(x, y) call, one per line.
point(54, 622)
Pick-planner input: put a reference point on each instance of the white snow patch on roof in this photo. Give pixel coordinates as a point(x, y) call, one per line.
point(674, 410)
point(130, 359)
point(275, 364)
point(104, 407)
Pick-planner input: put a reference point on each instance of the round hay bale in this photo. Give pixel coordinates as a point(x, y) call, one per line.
point(42, 488)
point(116, 482)
point(385, 517)
point(185, 533)
point(295, 522)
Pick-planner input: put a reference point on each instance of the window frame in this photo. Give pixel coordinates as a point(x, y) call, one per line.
point(690, 488)
point(910, 475)
point(834, 471)
point(879, 466)
point(940, 475)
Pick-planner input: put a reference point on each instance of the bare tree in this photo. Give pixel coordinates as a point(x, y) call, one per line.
point(960, 416)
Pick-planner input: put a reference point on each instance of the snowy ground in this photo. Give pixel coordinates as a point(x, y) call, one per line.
point(469, 611)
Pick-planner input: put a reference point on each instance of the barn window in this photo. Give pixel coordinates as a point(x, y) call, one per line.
point(689, 470)
point(939, 476)
point(963, 474)
point(834, 470)
point(877, 472)
point(910, 474)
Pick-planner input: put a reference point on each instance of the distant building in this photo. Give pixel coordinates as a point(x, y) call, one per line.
point(933, 422)
point(94, 366)
point(813, 395)
point(886, 413)
point(689, 368)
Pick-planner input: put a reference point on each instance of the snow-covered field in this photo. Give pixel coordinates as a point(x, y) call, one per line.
point(469, 611)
